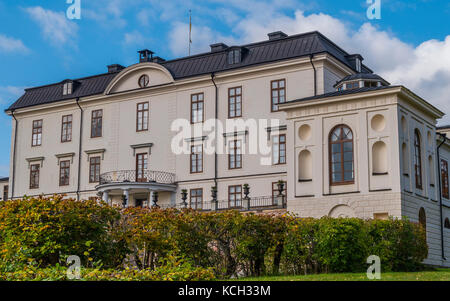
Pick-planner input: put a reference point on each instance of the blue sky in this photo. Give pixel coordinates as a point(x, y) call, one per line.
point(410, 44)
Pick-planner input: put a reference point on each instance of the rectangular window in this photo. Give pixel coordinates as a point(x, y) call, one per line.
point(67, 88)
point(66, 128)
point(235, 102)
point(352, 85)
point(36, 139)
point(234, 56)
point(277, 93)
point(235, 154)
point(279, 149)
point(234, 196)
point(141, 167)
point(275, 189)
point(64, 173)
point(197, 108)
point(196, 198)
point(96, 123)
point(196, 158)
point(444, 179)
point(142, 117)
point(5, 192)
point(94, 170)
point(34, 176)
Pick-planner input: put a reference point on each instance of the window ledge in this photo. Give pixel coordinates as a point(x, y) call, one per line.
point(304, 180)
point(379, 173)
point(339, 193)
point(305, 196)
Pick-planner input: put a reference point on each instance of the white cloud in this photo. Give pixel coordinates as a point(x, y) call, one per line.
point(424, 69)
point(8, 44)
point(9, 94)
point(55, 26)
point(134, 38)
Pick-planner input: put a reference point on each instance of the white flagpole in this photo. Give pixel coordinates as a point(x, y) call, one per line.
point(190, 31)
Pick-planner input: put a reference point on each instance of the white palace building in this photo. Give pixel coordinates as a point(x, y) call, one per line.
point(344, 142)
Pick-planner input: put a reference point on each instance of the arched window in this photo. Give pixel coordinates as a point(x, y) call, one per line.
point(379, 158)
point(417, 159)
point(447, 223)
point(422, 218)
point(341, 155)
point(304, 166)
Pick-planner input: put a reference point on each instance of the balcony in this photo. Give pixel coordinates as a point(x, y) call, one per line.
point(261, 203)
point(131, 188)
point(130, 176)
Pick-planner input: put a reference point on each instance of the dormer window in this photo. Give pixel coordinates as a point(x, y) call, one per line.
point(234, 56)
point(67, 88)
point(358, 64)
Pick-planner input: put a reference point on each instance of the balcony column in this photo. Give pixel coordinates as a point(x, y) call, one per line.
point(126, 194)
point(105, 196)
point(150, 198)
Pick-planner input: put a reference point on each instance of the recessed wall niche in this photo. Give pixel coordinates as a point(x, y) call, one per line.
point(304, 132)
point(378, 123)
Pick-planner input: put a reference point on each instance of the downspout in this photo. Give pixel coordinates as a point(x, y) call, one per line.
point(79, 148)
point(440, 194)
point(314, 68)
point(215, 128)
point(14, 155)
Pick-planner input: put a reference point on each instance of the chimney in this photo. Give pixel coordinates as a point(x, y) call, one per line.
point(115, 68)
point(218, 47)
point(276, 35)
point(145, 55)
point(158, 60)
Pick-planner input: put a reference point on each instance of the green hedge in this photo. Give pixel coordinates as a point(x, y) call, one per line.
point(41, 233)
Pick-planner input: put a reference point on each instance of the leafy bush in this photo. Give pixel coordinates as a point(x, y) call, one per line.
point(46, 230)
point(175, 271)
point(400, 244)
point(37, 234)
point(343, 244)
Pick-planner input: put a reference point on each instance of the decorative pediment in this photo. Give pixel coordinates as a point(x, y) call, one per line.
point(139, 76)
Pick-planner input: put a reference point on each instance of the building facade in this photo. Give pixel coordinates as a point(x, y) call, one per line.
point(344, 141)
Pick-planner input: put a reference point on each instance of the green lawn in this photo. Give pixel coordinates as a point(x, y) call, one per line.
point(436, 275)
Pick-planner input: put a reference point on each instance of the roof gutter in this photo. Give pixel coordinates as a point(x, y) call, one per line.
point(314, 68)
point(440, 194)
point(215, 127)
point(79, 148)
point(14, 155)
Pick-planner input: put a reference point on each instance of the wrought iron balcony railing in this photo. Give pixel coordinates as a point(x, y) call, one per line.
point(147, 176)
point(255, 203)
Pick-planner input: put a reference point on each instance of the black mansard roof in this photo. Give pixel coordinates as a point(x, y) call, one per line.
point(256, 53)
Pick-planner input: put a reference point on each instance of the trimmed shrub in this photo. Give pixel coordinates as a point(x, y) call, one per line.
point(46, 230)
point(342, 244)
point(39, 233)
point(401, 245)
point(177, 271)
